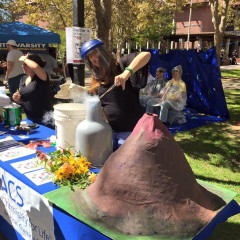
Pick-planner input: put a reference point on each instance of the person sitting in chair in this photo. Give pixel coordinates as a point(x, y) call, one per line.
point(153, 87)
point(172, 97)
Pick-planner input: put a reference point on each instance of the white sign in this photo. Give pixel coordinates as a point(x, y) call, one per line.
point(29, 213)
point(75, 38)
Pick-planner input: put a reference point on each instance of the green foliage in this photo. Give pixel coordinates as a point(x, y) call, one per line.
point(57, 14)
point(5, 13)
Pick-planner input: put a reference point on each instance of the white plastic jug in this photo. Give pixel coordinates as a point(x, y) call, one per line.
point(67, 116)
point(94, 135)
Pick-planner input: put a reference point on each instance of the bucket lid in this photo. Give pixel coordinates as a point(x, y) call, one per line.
point(68, 107)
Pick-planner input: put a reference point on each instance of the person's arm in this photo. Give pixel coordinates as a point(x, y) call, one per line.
point(138, 62)
point(9, 69)
point(35, 67)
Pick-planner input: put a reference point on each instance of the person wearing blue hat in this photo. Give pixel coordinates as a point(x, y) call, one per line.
point(118, 84)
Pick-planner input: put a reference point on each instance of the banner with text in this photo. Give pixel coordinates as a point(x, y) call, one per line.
point(29, 213)
point(27, 47)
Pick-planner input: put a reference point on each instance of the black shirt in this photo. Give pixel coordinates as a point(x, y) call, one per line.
point(122, 107)
point(35, 96)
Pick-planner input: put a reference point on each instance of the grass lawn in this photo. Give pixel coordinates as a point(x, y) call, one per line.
point(231, 73)
point(213, 154)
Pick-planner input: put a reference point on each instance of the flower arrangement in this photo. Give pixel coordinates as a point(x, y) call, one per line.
point(69, 168)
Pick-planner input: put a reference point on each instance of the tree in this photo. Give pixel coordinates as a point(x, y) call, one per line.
point(219, 19)
point(5, 14)
point(56, 13)
point(103, 10)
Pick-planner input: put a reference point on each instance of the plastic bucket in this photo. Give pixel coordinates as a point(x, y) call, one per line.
point(67, 116)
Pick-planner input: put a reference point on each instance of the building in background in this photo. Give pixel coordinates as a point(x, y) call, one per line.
point(201, 34)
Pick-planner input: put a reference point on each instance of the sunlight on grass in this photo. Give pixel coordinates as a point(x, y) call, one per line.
point(231, 73)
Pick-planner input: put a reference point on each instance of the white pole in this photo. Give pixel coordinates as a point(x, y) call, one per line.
point(189, 24)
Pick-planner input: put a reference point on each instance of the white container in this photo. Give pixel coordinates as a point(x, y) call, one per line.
point(67, 116)
point(94, 135)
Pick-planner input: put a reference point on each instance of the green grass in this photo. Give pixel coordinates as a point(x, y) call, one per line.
point(213, 154)
point(231, 73)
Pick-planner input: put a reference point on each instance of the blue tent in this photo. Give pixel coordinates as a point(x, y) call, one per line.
point(201, 75)
point(26, 33)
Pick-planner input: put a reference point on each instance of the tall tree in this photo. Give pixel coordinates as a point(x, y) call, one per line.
point(103, 10)
point(219, 19)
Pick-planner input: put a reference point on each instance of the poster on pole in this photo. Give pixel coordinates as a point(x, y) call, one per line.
point(75, 38)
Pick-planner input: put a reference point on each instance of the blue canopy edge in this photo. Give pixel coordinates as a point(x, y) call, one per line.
point(26, 33)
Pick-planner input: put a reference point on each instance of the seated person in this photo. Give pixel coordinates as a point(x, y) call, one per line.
point(34, 89)
point(172, 97)
point(153, 87)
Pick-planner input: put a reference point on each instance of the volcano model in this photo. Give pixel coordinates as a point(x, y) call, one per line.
point(147, 187)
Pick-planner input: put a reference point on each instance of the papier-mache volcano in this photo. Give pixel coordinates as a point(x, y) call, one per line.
point(147, 187)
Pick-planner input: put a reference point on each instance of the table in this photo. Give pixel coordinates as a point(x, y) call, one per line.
point(27, 214)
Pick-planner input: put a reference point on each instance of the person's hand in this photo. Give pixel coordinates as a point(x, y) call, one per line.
point(22, 58)
point(121, 79)
point(3, 64)
point(16, 97)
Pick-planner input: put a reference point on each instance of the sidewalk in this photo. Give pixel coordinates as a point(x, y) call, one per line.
point(229, 67)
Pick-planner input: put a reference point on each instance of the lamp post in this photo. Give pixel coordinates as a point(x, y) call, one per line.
point(78, 21)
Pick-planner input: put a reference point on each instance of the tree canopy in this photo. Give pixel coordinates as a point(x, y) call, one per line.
point(114, 21)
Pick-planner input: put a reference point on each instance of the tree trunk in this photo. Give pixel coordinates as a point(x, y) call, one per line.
point(219, 19)
point(103, 10)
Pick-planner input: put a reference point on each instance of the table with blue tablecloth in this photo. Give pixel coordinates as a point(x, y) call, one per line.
point(26, 208)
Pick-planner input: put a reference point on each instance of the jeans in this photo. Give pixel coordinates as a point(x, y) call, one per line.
point(13, 83)
point(165, 107)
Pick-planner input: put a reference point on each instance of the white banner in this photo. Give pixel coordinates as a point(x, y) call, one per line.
point(29, 213)
point(75, 38)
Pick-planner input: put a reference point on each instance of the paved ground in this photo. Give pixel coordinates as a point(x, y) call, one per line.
point(230, 83)
point(230, 67)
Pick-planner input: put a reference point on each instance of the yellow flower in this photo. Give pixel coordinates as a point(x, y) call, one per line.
point(69, 169)
point(59, 174)
point(92, 177)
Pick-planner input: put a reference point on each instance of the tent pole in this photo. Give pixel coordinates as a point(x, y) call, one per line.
point(189, 24)
point(78, 21)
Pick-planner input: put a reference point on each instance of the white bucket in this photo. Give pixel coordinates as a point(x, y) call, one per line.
point(67, 116)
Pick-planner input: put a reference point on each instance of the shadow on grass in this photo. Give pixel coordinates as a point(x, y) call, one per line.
point(209, 179)
point(217, 143)
point(226, 231)
point(213, 144)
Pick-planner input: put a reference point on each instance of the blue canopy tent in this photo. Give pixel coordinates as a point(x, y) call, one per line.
point(203, 80)
point(26, 33)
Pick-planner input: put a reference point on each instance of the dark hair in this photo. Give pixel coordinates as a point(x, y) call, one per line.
point(37, 59)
